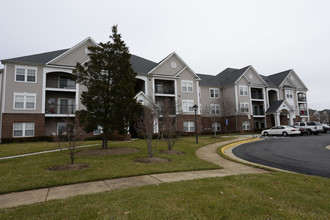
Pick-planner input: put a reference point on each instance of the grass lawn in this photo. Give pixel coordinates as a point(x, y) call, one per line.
point(263, 196)
point(31, 172)
point(31, 147)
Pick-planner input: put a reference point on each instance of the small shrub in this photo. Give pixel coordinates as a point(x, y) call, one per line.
point(27, 139)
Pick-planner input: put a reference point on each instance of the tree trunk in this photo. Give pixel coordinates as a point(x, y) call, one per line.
point(149, 143)
point(105, 140)
point(72, 157)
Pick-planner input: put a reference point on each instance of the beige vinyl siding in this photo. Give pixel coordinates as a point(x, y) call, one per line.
point(22, 87)
point(187, 75)
point(206, 100)
point(256, 79)
point(77, 55)
point(166, 68)
point(229, 99)
point(243, 82)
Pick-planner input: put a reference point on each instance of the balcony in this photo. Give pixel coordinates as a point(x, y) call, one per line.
point(302, 112)
point(257, 96)
point(60, 109)
point(258, 112)
point(257, 93)
point(60, 81)
point(167, 105)
point(164, 87)
point(302, 97)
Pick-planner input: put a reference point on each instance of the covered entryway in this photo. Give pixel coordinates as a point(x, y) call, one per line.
point(281, 110)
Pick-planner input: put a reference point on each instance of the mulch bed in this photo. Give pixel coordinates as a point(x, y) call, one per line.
point(175, 152)
point(152, 160)
point(110, 151)
point(64, 167)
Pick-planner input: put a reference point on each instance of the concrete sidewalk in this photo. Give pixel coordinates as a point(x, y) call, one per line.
point(208, 153)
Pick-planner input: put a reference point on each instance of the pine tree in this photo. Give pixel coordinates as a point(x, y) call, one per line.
point(110, 81)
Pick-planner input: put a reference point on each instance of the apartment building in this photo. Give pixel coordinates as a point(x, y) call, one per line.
point(38, 93)
point(242, 99)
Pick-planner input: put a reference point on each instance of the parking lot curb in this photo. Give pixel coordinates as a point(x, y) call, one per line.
point(227, 151)
point(238, 143)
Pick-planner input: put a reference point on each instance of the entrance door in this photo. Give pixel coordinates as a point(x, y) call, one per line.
point(272, 120)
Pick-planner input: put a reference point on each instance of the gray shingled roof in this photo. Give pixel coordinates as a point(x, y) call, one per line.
point(274, 106)
point(278, 78)
point(209, 80)
point(141, 65)
point(268, 81)
point(41, 58)
point(229, 76)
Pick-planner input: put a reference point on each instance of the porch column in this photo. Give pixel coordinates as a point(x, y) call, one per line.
point(277, 118)
point(291, 118)
point(156, 130)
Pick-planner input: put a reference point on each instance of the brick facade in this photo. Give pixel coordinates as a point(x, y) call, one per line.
point(9, 118)
point(181, 118)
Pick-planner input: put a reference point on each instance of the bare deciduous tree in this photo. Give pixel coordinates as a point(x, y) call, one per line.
point(71, 137)
point(168, 124)
point(227, 109)
point(147, 124)
point(213, 112)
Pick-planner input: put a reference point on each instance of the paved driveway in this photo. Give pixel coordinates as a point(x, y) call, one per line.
point(301, 154)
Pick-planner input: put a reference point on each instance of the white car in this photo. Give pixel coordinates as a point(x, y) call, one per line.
point(284, 130)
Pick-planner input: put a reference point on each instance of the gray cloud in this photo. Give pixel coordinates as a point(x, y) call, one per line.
point(211, 35)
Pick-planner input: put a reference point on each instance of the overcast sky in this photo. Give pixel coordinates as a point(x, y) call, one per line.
point(272, 35)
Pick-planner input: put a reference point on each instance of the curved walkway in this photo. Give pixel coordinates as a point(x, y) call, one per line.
point(208, 153)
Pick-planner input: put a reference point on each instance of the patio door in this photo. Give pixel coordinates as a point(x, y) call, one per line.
point(66, 106)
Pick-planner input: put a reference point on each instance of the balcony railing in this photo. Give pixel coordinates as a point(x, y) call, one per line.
point(257, 96)
point(60, 109)
point(303, 112)
point(301, 99)
point(165, 90)
point(258, 112)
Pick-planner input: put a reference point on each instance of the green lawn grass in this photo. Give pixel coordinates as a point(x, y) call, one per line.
point(31, 147)
point(31, 172)
point(262, 196)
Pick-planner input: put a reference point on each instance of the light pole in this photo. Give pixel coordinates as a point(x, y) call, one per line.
point(195, 107)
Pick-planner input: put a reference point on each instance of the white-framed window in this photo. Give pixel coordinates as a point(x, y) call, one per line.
point(189, 126)
point(187, 105)
point(216, 126)
point(215, 109)
point(25, 74)
point(25, 129)
point(246, 125)
point(244, 107)
point(214, 93)
point(98, 131)
point(243, 90)
point(61, 128)
point(25, 101)
point(289, 94)
point(186, 86)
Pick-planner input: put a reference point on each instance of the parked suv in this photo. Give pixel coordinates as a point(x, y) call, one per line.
point(312, 127)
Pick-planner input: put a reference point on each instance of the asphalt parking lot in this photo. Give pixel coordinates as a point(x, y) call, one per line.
point(301, 154)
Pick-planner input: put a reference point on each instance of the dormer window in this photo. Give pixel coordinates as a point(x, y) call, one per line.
point(26, 74)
